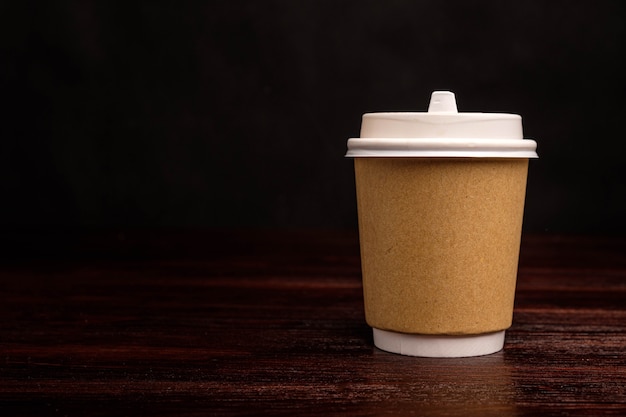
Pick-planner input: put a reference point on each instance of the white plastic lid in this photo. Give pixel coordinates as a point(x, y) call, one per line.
point(442, 132)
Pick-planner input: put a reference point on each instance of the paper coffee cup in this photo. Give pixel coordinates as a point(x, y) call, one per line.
point(440, 204)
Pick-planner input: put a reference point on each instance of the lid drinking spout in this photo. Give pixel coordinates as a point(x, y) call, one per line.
point(442, 102)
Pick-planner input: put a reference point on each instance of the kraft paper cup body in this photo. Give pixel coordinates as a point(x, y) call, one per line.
point(440, 239)
point(440, 242)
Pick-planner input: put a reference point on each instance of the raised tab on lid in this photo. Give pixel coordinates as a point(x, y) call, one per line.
point(442, 102)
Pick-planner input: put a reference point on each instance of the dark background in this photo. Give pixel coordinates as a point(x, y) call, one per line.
point(236, 113)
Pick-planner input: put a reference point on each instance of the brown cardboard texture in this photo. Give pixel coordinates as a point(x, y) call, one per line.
point(440, 242)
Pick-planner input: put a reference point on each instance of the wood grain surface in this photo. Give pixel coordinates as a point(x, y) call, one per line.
point(271, 323)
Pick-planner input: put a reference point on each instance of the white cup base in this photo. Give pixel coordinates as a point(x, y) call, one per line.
point(438, 346)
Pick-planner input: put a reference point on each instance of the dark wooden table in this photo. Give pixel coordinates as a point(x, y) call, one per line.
point(249, 323)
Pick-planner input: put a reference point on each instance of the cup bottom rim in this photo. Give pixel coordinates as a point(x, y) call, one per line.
point(438, 346)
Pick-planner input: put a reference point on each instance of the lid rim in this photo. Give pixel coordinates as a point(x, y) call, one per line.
point(441, 147)
point(477, 155)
